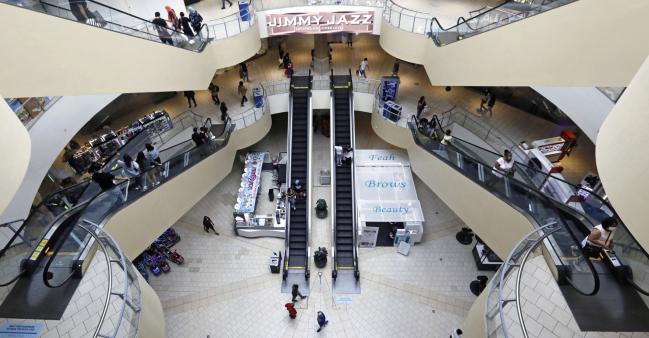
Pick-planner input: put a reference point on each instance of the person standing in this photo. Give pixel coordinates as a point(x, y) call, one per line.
point(80, 10)
point(172, 17)
point(295, 292)
point(289, 70)
point(223, 3)
point(446, 139)
point(243, 72)
point(214, 91)
point(130, 169)
point(395, 68)
point(322, 321)
point(242, 90)
point(349, 39)
point(286, 60)
point(106, 182)
point(491, 103)
point(600, 237)
point(195, 19)
point(185, 24)
point(197, 138)
point(147, 170)
point(153, 156)
point(163, 30)
point(363, 68)
point(421, 105)
point(191, 97)
point(224, 112)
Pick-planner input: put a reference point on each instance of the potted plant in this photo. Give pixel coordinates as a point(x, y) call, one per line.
point(320, 257)
point(321, 208)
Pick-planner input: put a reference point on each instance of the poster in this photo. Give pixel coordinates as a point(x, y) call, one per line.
point(368, 237)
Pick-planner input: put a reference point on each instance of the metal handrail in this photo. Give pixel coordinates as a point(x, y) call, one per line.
point(289, 147)
point(332, 168)
point(352, 129)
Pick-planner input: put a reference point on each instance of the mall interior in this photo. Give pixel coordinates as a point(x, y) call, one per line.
point(304, 168)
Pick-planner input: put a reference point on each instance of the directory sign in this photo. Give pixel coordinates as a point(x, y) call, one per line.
point(320, 22)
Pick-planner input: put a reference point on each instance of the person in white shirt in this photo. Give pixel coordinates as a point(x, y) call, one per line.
point(130, 169)
point(348, 154)
point(362, 68)
point(153, 156)
point(600, 237)
point(339, 155)
point(446, 139)
point(504, 165)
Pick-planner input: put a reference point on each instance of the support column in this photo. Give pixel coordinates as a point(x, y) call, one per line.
point(320, 46)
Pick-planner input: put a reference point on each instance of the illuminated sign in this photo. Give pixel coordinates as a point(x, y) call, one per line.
point(320, 22)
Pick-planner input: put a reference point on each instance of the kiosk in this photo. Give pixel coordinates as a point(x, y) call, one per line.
point(388, 208)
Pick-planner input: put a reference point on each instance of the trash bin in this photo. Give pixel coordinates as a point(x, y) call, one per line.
point(244, 10)
point(258, 95)
point(275, 262)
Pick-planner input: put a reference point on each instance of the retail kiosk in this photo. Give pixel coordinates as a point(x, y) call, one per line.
point(387, 204)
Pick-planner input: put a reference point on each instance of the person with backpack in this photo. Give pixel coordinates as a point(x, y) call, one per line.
point(147, 170)
point(196, 20)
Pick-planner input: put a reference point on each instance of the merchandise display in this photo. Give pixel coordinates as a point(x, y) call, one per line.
point(250, 181)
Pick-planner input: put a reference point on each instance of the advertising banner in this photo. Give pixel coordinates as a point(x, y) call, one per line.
point(320, 22)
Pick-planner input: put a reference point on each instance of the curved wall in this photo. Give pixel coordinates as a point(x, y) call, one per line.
point(140, 223)
point(15, 150)
point(586, 43)
point(622, 161)
point(56, 57)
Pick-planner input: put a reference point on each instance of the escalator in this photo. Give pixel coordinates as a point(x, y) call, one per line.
point(615, 278)
point(344, 253)
point(47, 255)
point(296, 251)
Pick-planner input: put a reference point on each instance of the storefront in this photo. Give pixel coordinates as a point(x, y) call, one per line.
point(386, 199)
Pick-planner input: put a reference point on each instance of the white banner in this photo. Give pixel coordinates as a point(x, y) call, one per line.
point(380, 158)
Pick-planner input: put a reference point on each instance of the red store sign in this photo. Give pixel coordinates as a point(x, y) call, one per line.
point(320, 23)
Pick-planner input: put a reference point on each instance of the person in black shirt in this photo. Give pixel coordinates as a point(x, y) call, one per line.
point(163, 30)
point(185, 24)
point(191, 97)
point(80, 10)
point(197, 138)
point(106, 181)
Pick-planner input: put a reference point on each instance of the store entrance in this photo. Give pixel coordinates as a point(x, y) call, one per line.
point(387, 232)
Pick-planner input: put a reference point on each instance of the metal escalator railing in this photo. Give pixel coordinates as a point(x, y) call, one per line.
point(353, 184)
point(287, 250)
point(480, 21)
point(586, 206)
point(505, 290)
point(122, 295)
point(106, 17)
point(76, 246)
point(564, 246)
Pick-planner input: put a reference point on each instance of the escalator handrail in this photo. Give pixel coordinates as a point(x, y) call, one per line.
point(332, 143)
point(352, 135)
point(289, 147)
point(553, 203)
point(117, 186)
point(550, 176)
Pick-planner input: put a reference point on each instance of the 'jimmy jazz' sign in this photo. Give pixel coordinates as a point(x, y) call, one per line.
point(321, 22)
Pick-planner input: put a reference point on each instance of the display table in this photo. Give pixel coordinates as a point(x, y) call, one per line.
point(550, 147)
point(250, 181)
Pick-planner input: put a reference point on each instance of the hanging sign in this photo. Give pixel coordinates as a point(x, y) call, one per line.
point(320, 22)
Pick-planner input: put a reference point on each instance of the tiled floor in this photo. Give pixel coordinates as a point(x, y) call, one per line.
point(225, 287)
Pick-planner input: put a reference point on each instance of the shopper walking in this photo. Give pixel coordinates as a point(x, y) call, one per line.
point(191, 97)
point(295, 292)
point(243, 72)
point(172, 17)
point(291, 310)
point(446, 139)
point(224, 112)
point(130, 169)
point(163, 30)
point(289, 70)
point(223, 3)
point(349, 39)
point(153, 156)
point(185, 24)
point(322, 321)
point(363, 68)
point(197, 138)
point(242, 90)
point(214, 91)
point(483, 100)
point(195, 19)
point(147, 177)
point(106, 182)
point(491, 103)
point(286, 60)
point(209, 225)
point(421, 105)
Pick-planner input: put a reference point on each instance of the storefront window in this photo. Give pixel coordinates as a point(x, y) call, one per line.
point(29, 108)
